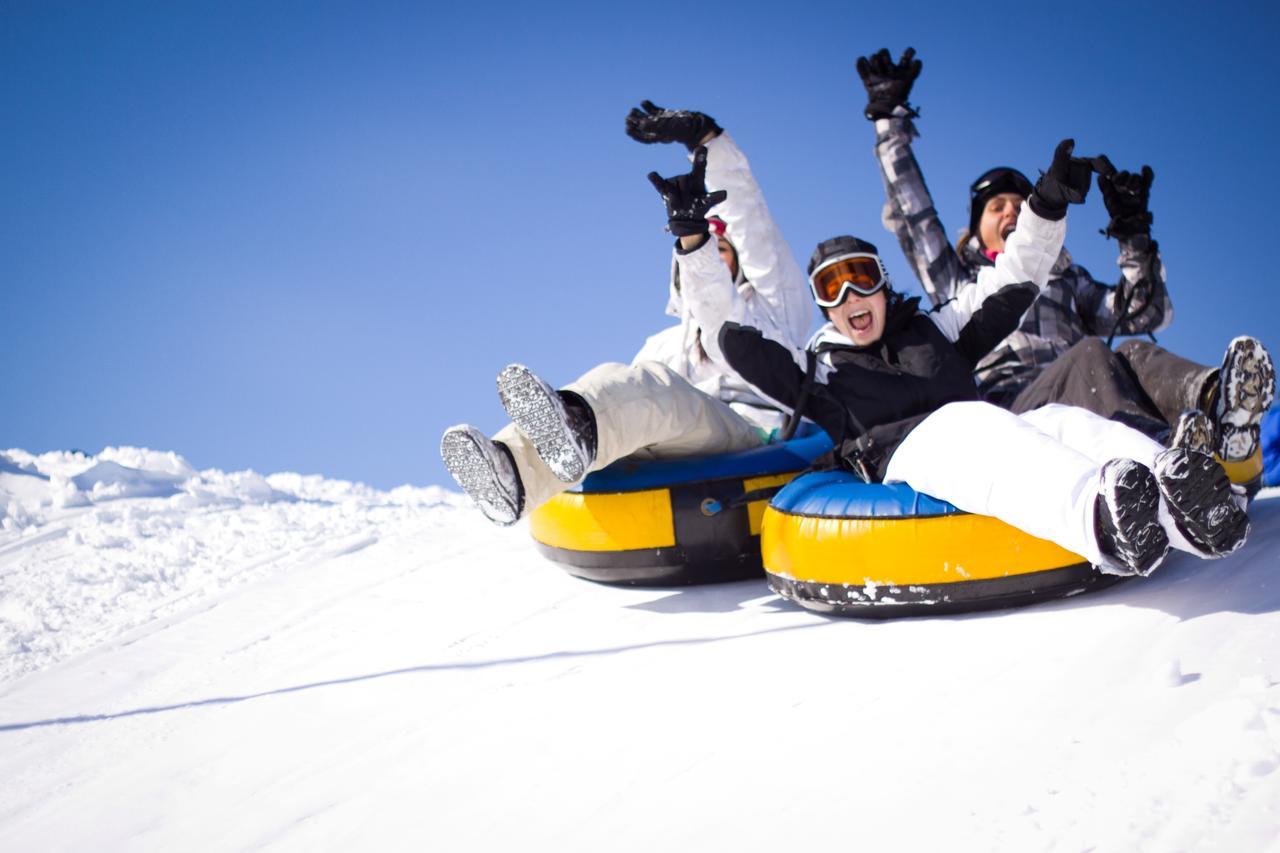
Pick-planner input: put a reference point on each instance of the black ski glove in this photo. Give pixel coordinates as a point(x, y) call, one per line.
point(1066, 182)
point(654, 124)
point(687, 198)
point(888, 85)
point(1126, 196)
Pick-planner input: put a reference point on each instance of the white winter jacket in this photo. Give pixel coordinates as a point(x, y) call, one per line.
point(772, 295)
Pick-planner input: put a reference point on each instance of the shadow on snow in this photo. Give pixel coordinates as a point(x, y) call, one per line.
point(410, 670)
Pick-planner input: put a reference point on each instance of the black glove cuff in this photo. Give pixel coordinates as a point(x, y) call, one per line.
point(1046, 211)
point(712, 127)
point(688, 227)
point(1122, 227)
point(889, 109)
point(680, 250)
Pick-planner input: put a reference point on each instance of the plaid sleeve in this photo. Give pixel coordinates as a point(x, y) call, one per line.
point(910, 215)
point(1142, 286)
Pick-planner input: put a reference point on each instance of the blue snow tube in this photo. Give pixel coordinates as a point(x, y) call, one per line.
point(672, 522)
point(1271, 448)
point(837, 545)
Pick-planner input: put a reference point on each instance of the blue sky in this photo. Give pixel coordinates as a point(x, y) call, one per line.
point(307, 236)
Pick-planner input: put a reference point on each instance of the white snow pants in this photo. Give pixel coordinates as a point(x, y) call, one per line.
point(1038, 471)
point(644, 409)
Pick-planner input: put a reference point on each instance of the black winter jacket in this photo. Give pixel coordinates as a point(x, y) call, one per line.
point(869, 398)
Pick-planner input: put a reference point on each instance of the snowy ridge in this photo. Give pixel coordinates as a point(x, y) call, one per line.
point(213, 661)
point(91, 546)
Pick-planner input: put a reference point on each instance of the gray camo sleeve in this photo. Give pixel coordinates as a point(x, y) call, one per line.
point(1143, 281)
point(910, 215)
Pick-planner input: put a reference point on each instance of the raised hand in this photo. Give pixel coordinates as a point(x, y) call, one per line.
point(888, 84)
point(651, 123)
point(686, 197)
point(1127, 197)
point(1066, 182)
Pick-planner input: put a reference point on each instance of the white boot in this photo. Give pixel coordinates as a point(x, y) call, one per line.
point(485, 471)
point(563, 436)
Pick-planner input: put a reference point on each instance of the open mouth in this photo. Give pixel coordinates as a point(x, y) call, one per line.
point(860, 321)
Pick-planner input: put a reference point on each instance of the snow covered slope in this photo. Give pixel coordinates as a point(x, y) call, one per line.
point(225, 661)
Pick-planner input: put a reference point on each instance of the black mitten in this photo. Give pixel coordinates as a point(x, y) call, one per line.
point(654, 124)
point(1127, 196)
point(887, 84)
point(686, 197)
point(1066, 182)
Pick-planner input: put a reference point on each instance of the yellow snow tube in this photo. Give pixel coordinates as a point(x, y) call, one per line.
point(835, 544)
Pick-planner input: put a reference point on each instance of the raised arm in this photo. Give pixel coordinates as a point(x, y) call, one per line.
point(771, 271)
point(712, 297)
point(908, 209)
point(981, 316)
point(706, 288)
point(772, 276)
point(1140, 303)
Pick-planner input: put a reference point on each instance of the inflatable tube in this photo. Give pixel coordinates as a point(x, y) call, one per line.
point(835, 544)
point(1270, 449)
point(671, 522)
point(1247, 473)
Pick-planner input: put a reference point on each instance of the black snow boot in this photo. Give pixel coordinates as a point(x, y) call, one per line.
point(560, 424)
point(1201, 501)
point(1126, 517)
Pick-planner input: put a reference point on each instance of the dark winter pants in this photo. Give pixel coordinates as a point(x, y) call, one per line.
point(1139, 384)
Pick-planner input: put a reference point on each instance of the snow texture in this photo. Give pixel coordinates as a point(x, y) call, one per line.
point(202, 660)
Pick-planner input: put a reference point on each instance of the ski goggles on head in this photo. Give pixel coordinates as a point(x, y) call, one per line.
point(861, 272)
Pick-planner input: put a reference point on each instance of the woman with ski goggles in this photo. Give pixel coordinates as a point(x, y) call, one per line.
point(860, 272)
point(850, 286)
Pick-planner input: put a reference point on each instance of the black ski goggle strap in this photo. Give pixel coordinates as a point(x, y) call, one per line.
point(861, 272)
point(998, 180)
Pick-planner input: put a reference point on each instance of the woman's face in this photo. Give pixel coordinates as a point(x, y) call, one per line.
point(860, 318)
point(999, 218)
point(729, 256)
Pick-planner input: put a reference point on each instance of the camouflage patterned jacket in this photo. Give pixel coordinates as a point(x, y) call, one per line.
point(1073, 306)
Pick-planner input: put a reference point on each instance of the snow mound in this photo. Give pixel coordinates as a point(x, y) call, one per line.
point(92, 546)
point(20, 481)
